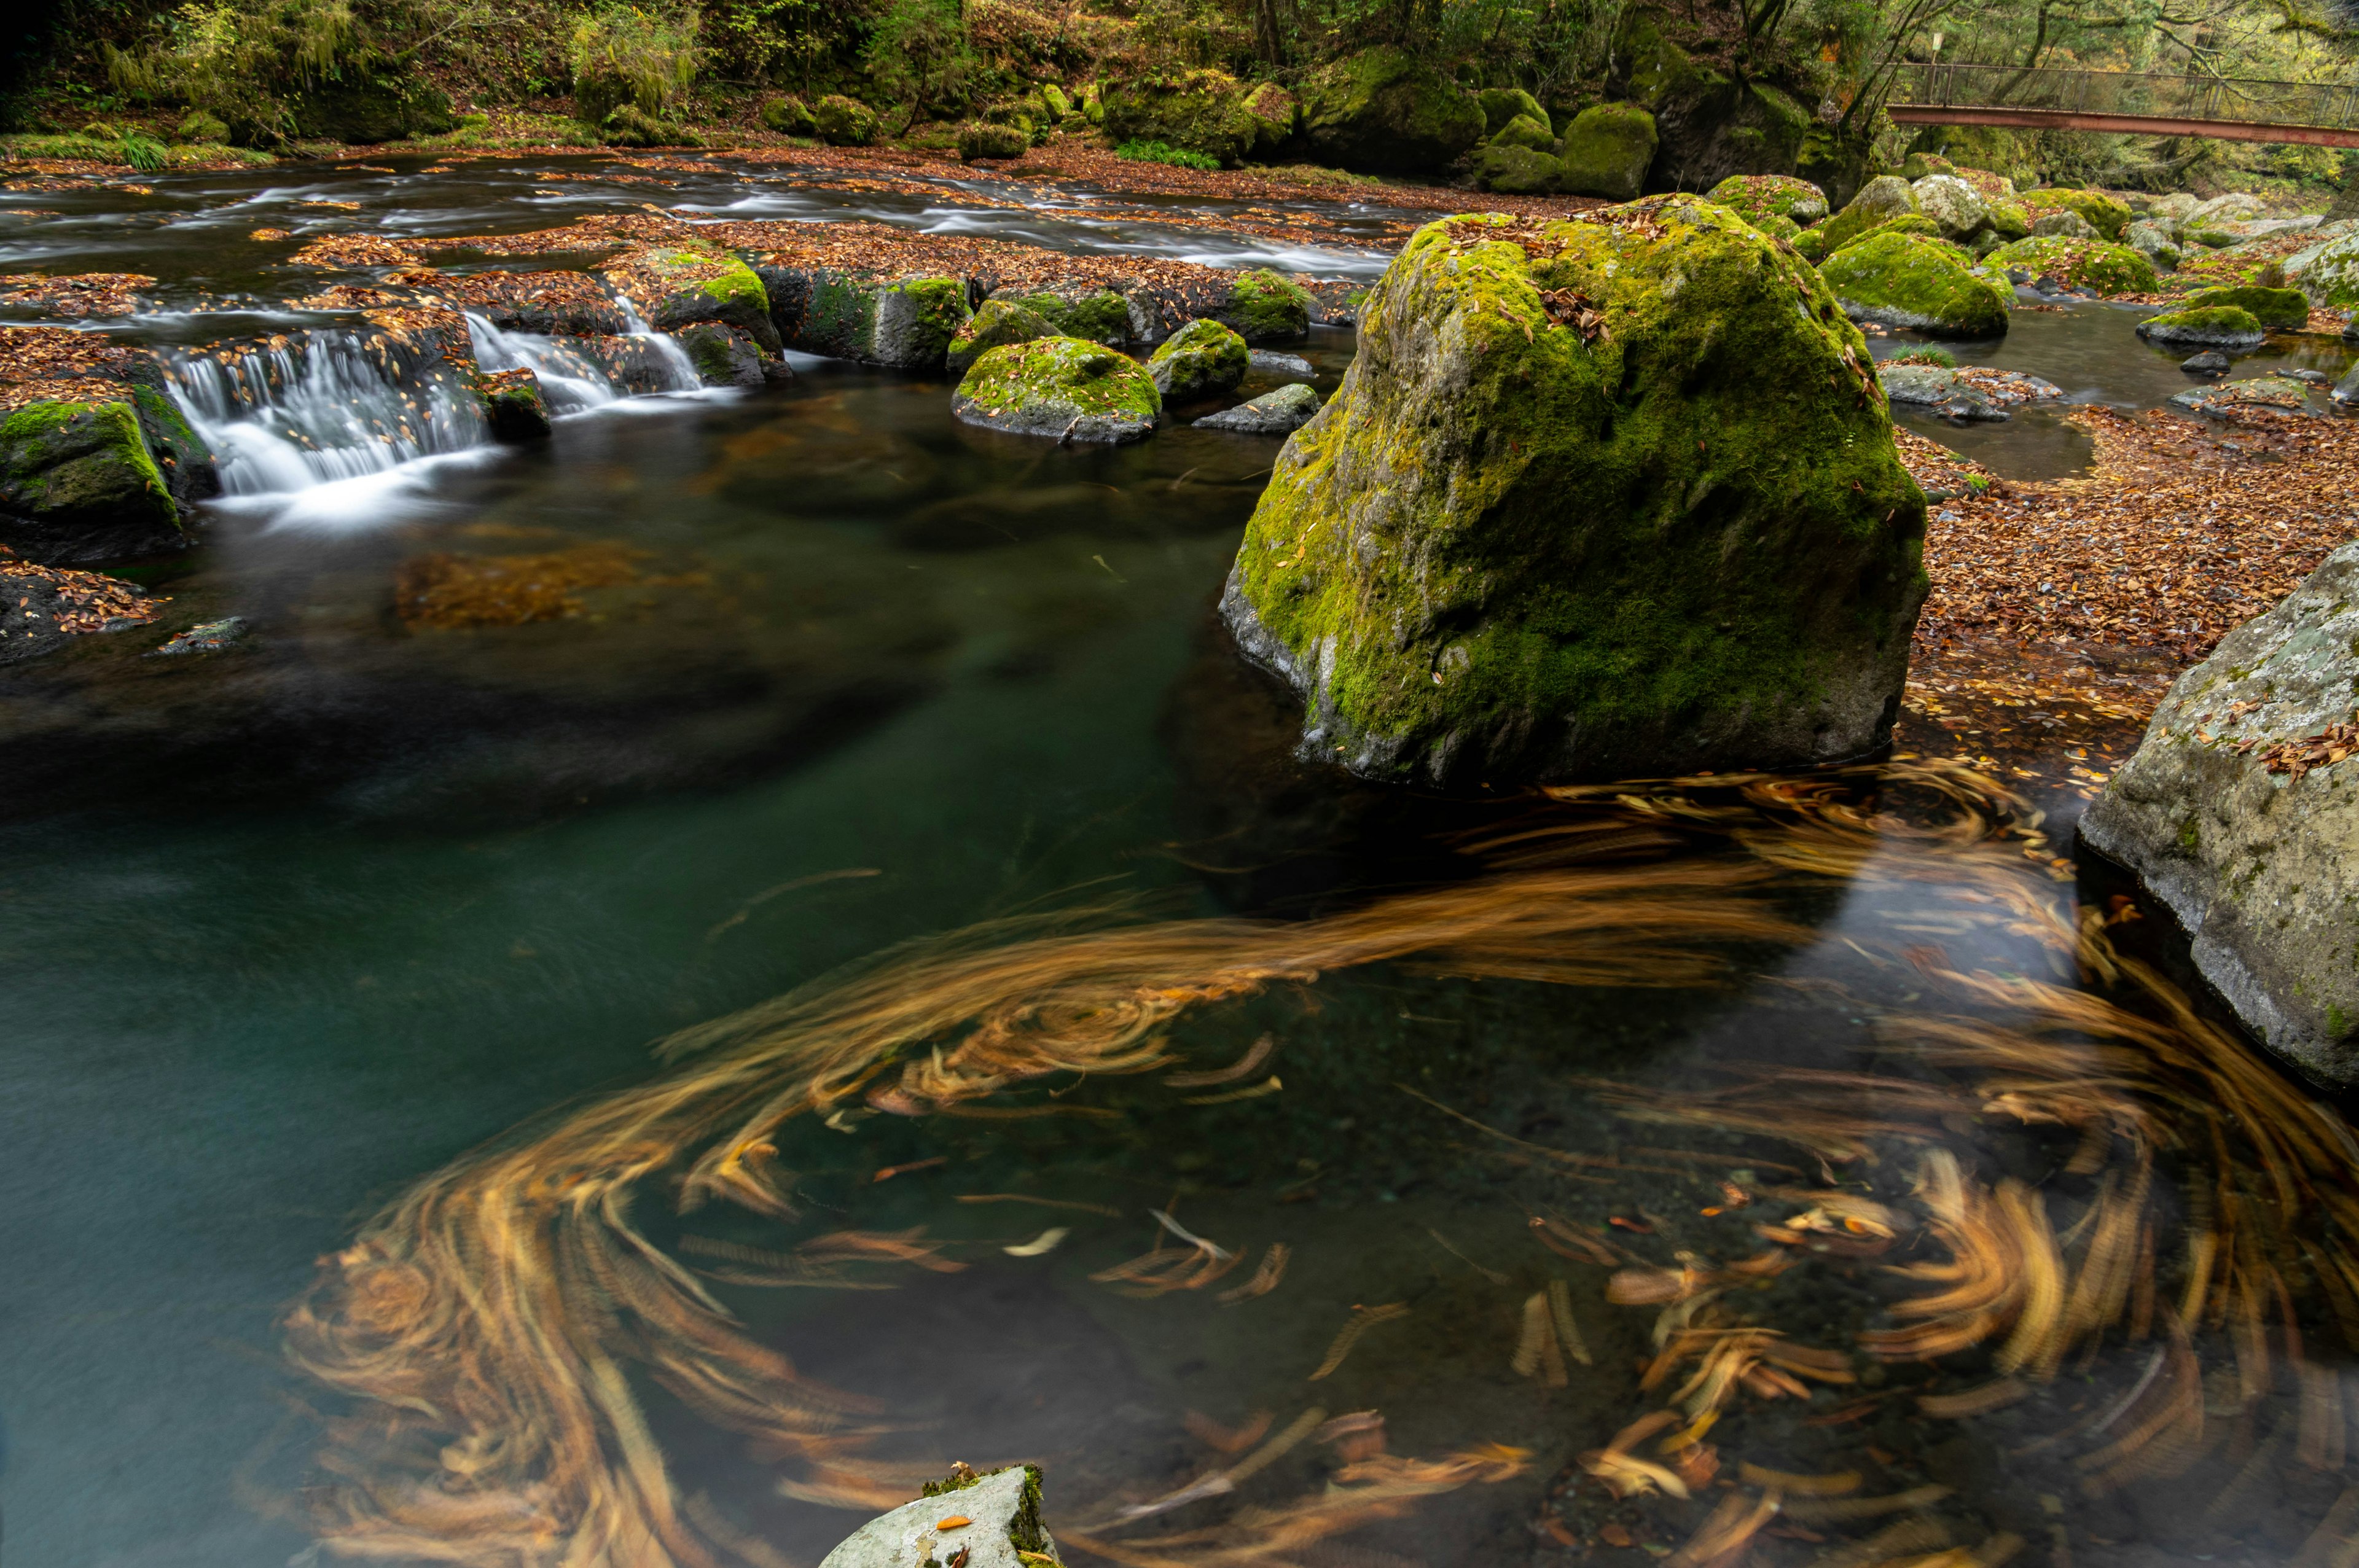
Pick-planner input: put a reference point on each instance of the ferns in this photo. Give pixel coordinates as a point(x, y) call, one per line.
point(1157, 151)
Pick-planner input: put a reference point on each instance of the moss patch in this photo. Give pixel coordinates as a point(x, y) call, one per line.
point(1605, 497)
point(1606, 150)
point(2091, 264)
point(1199, 360)
point(1265, 307)
point(2282, 308)
point(2105, 214)
point(998, 322)
point(1068, 388)
point(1906, 280)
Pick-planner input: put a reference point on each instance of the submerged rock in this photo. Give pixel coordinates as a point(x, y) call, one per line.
point(2262, 395)
point(1201, 359)
point(2216, 327)
point(1275, 361)
point(1606, 150)
point(1383, 108)
point(205, 637)
point(1278, 413)
point(1903, 280)
point(976, 1521)
point(998, 322)
point(1604, 497)
point(1068, 388)
point(513, 402)
point(1754, 197)
point(2240, 813)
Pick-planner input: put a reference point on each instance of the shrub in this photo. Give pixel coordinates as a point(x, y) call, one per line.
point(622, 55)
point(1941, 359)
point(919, 54)
point(1157, 151)
point(245, 62)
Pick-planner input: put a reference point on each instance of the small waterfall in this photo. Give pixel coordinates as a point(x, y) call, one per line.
point(296, 412)
point(336, 403)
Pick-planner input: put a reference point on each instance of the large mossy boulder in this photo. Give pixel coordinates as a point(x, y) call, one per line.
point(905, 322)
point(2238, 812)
point(1956, 207)
point(1068, 389)
point(1916, 283)
point(1709, 124)
point(843, 122)
point(2328, 273)
point(1201, 359)
point(2280, 310)
point(1603, 497)
point(1384, 109)
point(1883, 200)
point(81, 483)
point(1607, 149)
point(997, 322)
point(1517, 171)
point(2090, 266)
point(788, 116)
point(2214, 327)
point(1201, 111)
point(1501, 104)
point(678, 285)
point(2101, 212)
point(1757, 197)
point(1267, 307)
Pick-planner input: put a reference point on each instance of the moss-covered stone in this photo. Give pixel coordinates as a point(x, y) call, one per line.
point(1911, 281)
point(2280, 310)
point(789, 117)
point(1956, 207)
point(1526, 133)
point(2212, 327)
point(723, 355)
point(1201, 110)
point(1065, 388)
point(997, 322)
point(1501, 104)
point(1921, 165)
point(1101, 315)
point(1754, 197)
point(1383, 108)
point(1201, 359)
point(2329, 273)
point(1517, 171)
point(513, 404)
point(843, 122)
point(978, 139)
point(1265, 307)
point(2090, 265)
point(1609, 497)
point(1883, 200)
point(202, 129)
point(906, 322)
point(1606, 150)
point(676, 285)
point(1811, 245)
point(1276, 114)
point(2008, 220)
point(2101, 212)
point(78, 483)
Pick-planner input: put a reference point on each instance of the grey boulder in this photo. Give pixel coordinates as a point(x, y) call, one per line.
point(2237, 814)
point(999, 1526)
point(1280, 413)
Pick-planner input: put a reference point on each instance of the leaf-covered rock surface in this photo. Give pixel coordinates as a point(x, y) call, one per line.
point(1065, 388)
point(2090, 266)
point(1754, 197)
point(1605, 497)
point(1201, 359)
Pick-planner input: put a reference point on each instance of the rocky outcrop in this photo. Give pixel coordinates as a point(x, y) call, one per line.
point(1203, 359)
point(991, 1521)
point(1904, 280)
point(1065, 388)
point(2215, 327)
point(1279, 412)
point(997, 322)
point(2088, 267)
point(1612, 496)
point(2239, 812)
point(1384, 109)
point(1607, 150)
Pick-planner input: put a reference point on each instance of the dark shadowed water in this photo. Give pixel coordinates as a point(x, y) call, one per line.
point(283, 934)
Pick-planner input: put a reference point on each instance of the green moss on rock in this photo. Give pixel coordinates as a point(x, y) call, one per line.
point(1517, 171)
point(1206, 112)
point(1265, 307)
point(2092, 265)
point(1529, 134)
point(1606, 150)
point(906, 323)
point(1201, 359)
point(978, 140)
point(2211, 327)
point(1501, 104)
point(1911, 281)
point(2101, 212)
point(78, 483)
point(1754, 197)
point(843, 122)
point(789, 117)
point(1065, 388)
point(1886, 199)
point(678, 285)
point(1101, 314)
point(1519, 546)
point(1383, 108)
point(997, 322)
point(2282, 309)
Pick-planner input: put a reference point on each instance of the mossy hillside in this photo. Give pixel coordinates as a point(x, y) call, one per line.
point(2105, 214)
point(1911, 281)
point(1754, 197)
point(1384, 109)
point(997, 322)
point(1606, 150)
point(1596, 498)
point(2284, 309)
point(2217, 326)
point(2091, 264)
point(1067, 388)
point(1201, 359)
point(1265, 307)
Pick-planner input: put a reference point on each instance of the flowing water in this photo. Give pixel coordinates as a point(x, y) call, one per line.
point(1260, 1166)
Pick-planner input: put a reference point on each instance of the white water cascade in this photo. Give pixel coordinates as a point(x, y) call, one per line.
point(335, 404)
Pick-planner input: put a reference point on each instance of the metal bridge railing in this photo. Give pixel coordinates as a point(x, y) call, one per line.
point(2325, 106)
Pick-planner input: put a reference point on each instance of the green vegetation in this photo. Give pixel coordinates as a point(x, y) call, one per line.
point(1159, 152)
point(1940, 358)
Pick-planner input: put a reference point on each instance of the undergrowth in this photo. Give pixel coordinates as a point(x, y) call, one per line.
point(1157, 152)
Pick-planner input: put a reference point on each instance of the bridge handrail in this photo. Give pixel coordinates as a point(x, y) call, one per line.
point(2333, 105)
